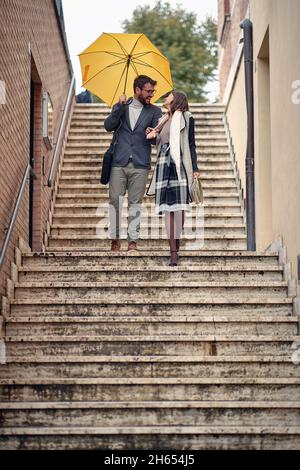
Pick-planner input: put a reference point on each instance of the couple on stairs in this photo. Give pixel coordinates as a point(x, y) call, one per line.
point(139, 124)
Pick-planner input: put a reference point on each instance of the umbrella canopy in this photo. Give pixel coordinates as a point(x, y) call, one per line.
point(112, 62)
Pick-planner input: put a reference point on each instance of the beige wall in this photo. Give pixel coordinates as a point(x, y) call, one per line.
point(277, 123)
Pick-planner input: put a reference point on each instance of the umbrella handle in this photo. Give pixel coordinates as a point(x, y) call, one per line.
point(127, 68)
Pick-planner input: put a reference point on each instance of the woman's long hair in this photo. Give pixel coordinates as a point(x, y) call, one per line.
point(180, 102)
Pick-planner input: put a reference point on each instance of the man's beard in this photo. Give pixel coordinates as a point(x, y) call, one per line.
point(142, 100)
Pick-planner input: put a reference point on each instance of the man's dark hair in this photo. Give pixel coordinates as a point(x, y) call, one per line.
point(141, 80)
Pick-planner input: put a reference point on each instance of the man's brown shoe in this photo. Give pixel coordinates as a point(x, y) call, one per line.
point(132, 246)
point(115, 245)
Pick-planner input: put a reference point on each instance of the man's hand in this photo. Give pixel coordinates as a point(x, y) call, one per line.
point(196, 174)
point(151, 133)
point(122, 99)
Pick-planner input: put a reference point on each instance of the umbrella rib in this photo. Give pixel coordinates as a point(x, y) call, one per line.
point(154, 68)
point(119, 83)
point(118, 62)
point(140, 54)
point(115, 54)
point(135, 44)
point(134, 67)
point(120, 44)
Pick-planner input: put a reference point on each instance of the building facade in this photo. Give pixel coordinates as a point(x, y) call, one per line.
point(34, 69)
point(276, 69)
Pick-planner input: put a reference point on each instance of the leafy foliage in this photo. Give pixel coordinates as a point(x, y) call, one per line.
point(190, 47)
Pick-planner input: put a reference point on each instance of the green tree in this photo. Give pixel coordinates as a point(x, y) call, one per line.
point(190, 47)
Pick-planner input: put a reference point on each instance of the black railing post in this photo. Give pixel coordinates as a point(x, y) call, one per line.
point(246, 25)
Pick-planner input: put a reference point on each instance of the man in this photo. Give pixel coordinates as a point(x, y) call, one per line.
point(132, 157)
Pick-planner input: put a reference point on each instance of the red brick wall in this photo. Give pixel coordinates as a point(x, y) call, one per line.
point(230, 37)
point(31, 24)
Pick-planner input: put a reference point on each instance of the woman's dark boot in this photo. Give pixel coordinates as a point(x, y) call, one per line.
point(173, 258)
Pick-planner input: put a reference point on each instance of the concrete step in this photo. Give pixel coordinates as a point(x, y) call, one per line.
point(146, 389)
point(65, 197)
point(220, 345)
point(146, 230)
point(61, 243)
point(150, 413)
point(227, 188)
point(208, 152)
point(125, 273)
point(97, 366)
point(151, 291)
point(94, 172)
point(152, 437)
point(94, 133)
point(89, 308)
point(102, 216)
point(212, 259)
point(147, 209)
point(215, 181)
point(90, 145)
point(88, 162)
point(162, 325)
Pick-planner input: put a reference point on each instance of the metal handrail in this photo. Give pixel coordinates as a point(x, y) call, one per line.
point(28, 171)
point(61, 131)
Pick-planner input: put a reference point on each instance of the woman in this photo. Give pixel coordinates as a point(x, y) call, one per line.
point(175, 168)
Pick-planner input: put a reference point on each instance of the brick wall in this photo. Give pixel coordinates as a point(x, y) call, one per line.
point(31, 48)
point(228, 35)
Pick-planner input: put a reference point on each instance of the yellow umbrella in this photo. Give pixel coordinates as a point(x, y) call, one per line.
point(111, 63)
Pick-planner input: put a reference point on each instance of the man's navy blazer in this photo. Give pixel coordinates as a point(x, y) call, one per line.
point(132, 142)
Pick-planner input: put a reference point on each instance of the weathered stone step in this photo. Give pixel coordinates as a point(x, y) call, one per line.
point(76, 198)
point(93, 172)
point(147, 209)
point(91, 308)
point(103, 216)
point(181, 325)
point(154, 413)
point(94, 133)
point(215, 181)
point(219, 345)
point(99, 273)
point(102, 189)
point(81, 152)
point(148, 258)
point(146, 229)
point(149, 366)
point(83, 163)
point(201, 146)
point(164, 437)
point(99, 389)
point(70, 243)
point(151, 290)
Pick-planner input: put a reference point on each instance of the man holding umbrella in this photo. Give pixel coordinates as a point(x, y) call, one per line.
point(132, 157)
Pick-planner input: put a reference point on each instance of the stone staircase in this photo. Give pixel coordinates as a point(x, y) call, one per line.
point(119, 351)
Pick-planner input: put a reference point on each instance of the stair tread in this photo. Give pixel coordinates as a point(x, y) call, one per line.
point(152, 359)
point(207, 300)
point(153, 268)
point(100, 253)
point(157, 319)
point(146, 284)
point(149, 404)
point(152, 338)
point(151, 380)
point(146, 430)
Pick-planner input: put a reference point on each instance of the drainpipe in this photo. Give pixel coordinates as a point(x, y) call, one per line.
point(246, 25)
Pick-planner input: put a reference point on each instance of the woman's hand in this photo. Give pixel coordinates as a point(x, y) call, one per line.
point(196, 175)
